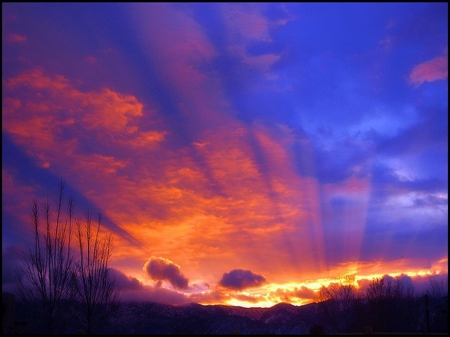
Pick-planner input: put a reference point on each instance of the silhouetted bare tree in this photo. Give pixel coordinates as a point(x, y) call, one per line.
point(97, 291)
point(46, 275)
point(391, 305)
point(436, 305)
point(338, 300)
point(62, 279)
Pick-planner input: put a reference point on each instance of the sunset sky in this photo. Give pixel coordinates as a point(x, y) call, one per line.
point(239, 153)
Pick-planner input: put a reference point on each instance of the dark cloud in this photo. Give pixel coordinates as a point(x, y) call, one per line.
point(156, 295)
point(126, 282)
point(239, 279)
point(386, 182)
point(160, 269)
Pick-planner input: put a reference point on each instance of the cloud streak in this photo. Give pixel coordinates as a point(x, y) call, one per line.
point(429, 71)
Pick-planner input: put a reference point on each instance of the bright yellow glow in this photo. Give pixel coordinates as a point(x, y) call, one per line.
point(245, 304)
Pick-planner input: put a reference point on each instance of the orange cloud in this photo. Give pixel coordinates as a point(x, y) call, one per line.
point(292, 295)
point(429, 71)
point(55, 109)
point(48, 117)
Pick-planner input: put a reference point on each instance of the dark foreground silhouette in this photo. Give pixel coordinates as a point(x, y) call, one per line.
point(285, 319)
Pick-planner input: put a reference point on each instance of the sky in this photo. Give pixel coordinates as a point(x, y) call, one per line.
point(239, 153)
